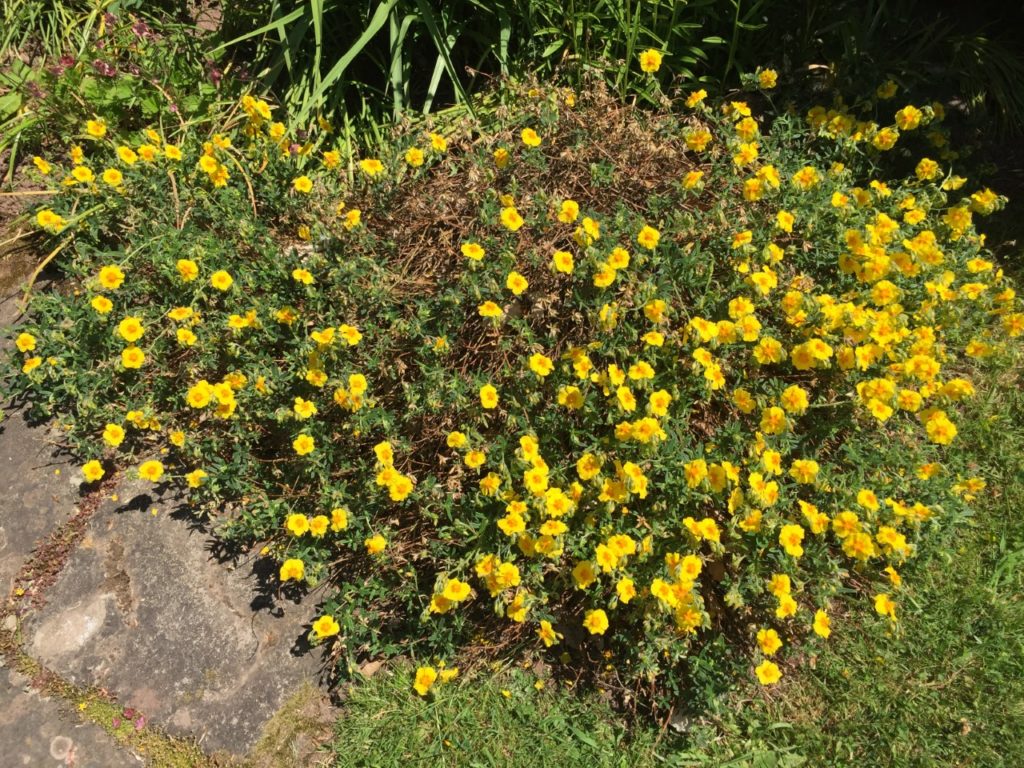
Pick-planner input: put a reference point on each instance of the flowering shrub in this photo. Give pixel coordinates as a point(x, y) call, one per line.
point(632, 388)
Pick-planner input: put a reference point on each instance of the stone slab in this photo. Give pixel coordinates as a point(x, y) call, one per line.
point(34, 499)
point(143, 610)
point(34, 733)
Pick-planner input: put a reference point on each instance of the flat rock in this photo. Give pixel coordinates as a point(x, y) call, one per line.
point(143, 610)
point(35, 499)
point(39, 489)
point(35, 734)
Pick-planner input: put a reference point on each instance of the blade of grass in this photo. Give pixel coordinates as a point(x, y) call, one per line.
point(373, 26)
point(272, 26)
point(444, 49)
point(435, 81)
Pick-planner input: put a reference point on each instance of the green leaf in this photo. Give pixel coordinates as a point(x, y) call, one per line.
point(377, 21)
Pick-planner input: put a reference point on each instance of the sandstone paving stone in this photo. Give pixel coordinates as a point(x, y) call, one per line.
point(34, 499)
point(35, 733)
point(143, 610)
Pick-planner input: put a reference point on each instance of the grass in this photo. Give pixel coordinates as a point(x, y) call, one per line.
point(493, 720)
point(947, 691)
point(950, 690)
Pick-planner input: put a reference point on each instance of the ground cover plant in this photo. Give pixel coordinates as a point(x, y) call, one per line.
point(637, 391)
point(946, 690)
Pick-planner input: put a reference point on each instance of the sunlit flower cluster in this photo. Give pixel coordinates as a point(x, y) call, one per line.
point(603, 422)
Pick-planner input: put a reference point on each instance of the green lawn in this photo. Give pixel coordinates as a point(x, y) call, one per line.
point(948, 691)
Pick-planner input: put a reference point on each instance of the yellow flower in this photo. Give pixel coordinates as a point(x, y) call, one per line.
point(908, 118)
point(292, 569)
point(25, 342)
point(438, 143)
point(640, 371)
point(325, 626)
point(530, 137)
point(568, 212)
point(618, 258)
point(111, 277)
point(501, 157)
point(767, 78)
point(746, 154)
point(49, 220)
point(93, 471)
point(784, 221)
point(553, 528)
point(562, 262)
point(425, 678)
point(604, 276)
point(113, 435)
point(822, 625)
point(96, 128)
point(743, 238)
point(769, 641)
point(31, 364)
point(207, 164)
point(790, 537)
point(132, 357)
point(650, 60)
point(151, 470)
point(473, 251)
point(886, 90)
point(304, 444)
point(547, 633)
point(648, 237)
point(303, 276)
point(352, 219)
point(488, 396)
point(541, 365)
point(940, 429)
point(331, 159)
point(516, 283)
point(375, 544)
point(794, 399)
point(571, 398)
point(171, 152)
point(41, 165)
point(510, 218)
point(304, 409)
point(768, 673)
point(130, 329)
point(885, 606)
point(371, 167)
point(221, 280)
point(83, 174)
point(625, 589)
point(188, 270)
point(297, 524)
point(113, 177)
point(696, 97)
point(596, 621)
point(400, 487)
point(456, 591)
point(350, 334)
point(195, 478)
point(804, 470)
point(626, 399)
point(303, 184)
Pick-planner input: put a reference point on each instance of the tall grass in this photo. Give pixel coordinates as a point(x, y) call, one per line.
point(385, 59)
point(413, 54)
